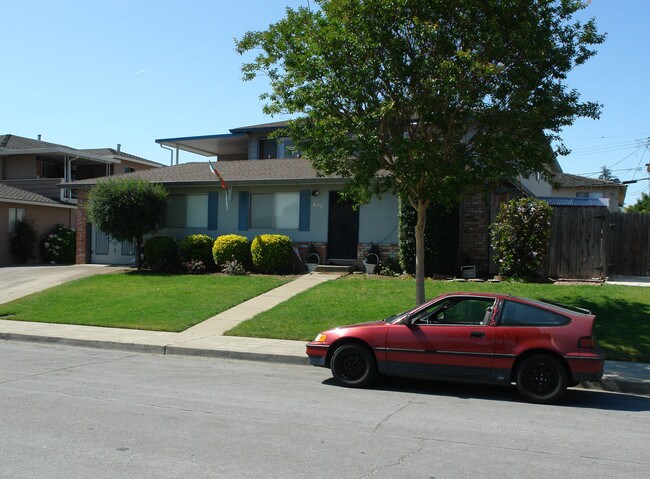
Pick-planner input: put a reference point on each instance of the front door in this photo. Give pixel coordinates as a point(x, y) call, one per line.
point(343, 228)
point(452, 337)
point(105, 250)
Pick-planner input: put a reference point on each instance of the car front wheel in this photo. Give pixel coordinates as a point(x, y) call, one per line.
point(542, 379)
point(353, 366)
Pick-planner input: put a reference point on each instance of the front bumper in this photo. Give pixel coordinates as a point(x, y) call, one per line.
point(317, 353)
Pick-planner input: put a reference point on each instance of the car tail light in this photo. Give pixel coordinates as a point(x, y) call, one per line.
point(586, 342)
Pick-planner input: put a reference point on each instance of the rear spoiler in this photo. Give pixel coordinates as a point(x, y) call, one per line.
point(571, 308)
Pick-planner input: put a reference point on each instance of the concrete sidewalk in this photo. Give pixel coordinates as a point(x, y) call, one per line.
point(206, 339)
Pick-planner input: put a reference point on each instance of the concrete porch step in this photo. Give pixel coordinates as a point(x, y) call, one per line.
point(334, 268)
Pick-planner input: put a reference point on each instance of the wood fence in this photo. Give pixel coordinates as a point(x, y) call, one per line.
point(594, 243)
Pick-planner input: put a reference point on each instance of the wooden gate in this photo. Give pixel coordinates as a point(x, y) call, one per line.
point(579, 243)
point(629, 244)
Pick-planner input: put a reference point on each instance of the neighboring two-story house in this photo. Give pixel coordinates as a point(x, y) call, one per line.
point(32, 169)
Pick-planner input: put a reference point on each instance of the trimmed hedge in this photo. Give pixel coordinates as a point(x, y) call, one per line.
point(161, 253)
point(232, 247)
point(197, 248)
point(440, 238)
point(272, 254)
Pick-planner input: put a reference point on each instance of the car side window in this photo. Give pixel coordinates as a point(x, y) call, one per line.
point(470, 311)
point(520, 314)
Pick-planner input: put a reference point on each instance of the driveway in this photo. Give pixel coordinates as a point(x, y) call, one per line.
point(19, 281)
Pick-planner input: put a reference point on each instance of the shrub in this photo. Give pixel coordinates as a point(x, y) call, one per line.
point(58, 246)
point(161, 253)
point(440, 238)
point(197, 248)
point(520, 236)
point(232, 247)
point(272, 254)
point(22, 240)
point(390, 267)
point(233, 268)
point(194, 266)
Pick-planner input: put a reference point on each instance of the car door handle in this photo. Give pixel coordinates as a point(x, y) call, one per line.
point(477, 334)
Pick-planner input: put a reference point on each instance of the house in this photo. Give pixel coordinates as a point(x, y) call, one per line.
point(32, 169)
point(17, 204)
point(271, 189)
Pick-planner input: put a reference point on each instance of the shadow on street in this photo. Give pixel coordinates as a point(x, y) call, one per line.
point(574, 398)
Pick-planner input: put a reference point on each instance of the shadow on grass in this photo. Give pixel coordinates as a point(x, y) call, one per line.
point(622, 326)
point(574, 398)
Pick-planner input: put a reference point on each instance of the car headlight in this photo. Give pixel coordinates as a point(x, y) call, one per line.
point(320, 338)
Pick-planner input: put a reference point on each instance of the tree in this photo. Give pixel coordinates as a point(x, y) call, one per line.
point(642, 205)
point(126, 209)
point(425, 98)
point(606, 174)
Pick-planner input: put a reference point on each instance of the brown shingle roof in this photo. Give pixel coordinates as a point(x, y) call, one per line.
point(575, 181)
point(287, 171)
point(110, 152)
point(11, 194)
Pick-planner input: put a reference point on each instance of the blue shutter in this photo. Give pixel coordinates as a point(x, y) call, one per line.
point(244, 200)
point(305, 210)
point(213, 209)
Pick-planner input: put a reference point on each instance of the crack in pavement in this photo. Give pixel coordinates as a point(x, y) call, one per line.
point(383, 421)
point(400, 459)
point(50, 371)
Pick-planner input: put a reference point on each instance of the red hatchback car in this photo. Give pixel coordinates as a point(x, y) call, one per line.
point(479, 337)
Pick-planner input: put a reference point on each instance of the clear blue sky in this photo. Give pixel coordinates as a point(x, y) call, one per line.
point(91, 74)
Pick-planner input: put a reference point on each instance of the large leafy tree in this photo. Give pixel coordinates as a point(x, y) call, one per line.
point(126, 209)
point(425, 98)
point(642, 205)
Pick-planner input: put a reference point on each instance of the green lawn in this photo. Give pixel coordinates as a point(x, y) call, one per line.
point(622, 324)
point(139, 300)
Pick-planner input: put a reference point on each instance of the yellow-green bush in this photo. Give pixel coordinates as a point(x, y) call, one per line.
point(272, 254)
point(232, 247)
point(197, 248)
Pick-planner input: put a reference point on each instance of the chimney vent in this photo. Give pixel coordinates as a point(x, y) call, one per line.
point(39, 137)
point(119, 147)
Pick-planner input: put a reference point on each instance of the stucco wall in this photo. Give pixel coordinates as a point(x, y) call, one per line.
point(43, 219)
point(19, 167)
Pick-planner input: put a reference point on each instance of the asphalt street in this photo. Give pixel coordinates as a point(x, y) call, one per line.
point(74, 412)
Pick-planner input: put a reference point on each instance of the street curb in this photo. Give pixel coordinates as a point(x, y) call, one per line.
point(85, 343)
point(616, 385)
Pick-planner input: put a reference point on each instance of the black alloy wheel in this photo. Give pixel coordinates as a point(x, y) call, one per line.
point(542, 378)
point(353, 365)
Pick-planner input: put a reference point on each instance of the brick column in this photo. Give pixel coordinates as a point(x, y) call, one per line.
point(474, 241)
point(81, 249)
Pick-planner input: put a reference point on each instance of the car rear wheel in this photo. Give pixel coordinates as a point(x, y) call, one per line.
point(353, 366)
point(542, 378)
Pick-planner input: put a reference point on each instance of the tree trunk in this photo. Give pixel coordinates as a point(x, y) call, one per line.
point(421, 209)
point(138, 254)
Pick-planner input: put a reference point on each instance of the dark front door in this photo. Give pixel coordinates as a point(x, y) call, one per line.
point(343, 228)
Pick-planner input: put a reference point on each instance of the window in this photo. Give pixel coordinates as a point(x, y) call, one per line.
point(197, 211)
point(128, 248)
point(267, 148)
point(275, 210)
point(128, 169)
point(288, 150)
point(519, 314)
point(187, 211)
point(15, 214)
point(470, 311)
point(589, 194)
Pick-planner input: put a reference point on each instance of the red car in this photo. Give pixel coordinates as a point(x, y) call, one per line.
point(479, 337)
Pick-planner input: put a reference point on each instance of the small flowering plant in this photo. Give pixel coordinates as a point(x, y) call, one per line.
point(58, 246)
point(520, 236)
